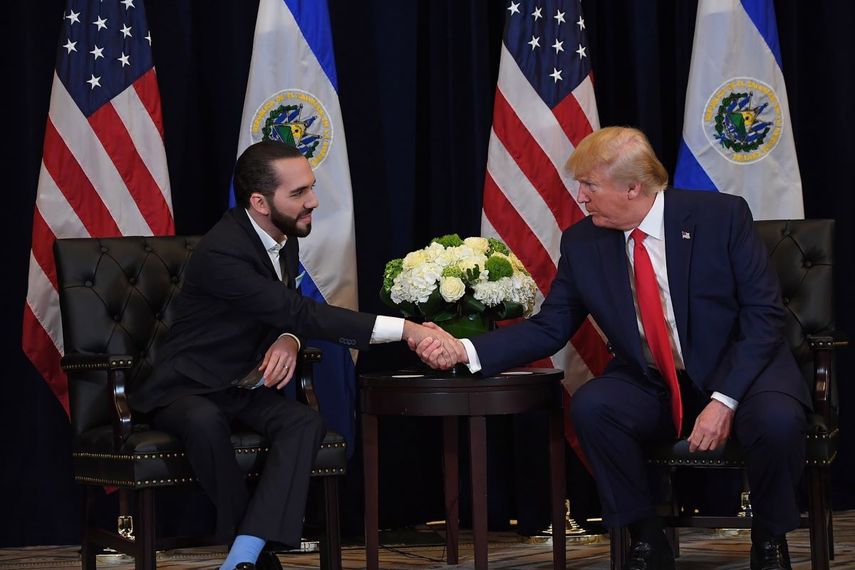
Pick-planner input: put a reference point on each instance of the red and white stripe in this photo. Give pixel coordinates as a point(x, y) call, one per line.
point(100, 176)
point(529, 197)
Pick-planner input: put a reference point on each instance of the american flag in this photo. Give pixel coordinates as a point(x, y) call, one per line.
point(544, 106)
point(103, 170)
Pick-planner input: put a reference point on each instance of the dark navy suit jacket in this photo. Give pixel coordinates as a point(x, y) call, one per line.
point(726, 301)
point(231, 308)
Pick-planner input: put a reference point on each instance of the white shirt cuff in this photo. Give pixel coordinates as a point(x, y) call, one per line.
point(474, 364)
point(726, 400)
point(297, 340)
point(387, 329)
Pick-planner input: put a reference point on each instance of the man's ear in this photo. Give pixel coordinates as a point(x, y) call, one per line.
point(634, 190)
point(258, 202)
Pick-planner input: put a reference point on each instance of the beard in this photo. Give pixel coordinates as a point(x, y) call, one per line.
point(288, 225)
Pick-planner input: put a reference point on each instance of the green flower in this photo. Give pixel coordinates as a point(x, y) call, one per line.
point(452, 271)
point(448, 240)
point(497, 247)
point(498, 267)
point(393, 269)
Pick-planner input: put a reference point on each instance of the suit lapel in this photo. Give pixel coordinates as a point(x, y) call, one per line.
point(679, 238)
point(290, 251)
point(612, 257)
point(242, 219)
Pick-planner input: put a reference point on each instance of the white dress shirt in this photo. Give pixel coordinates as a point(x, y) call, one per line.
point(653, 225)
point(386, 329)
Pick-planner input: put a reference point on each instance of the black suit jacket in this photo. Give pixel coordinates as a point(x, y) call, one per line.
point(726, 298)
point(231, 308)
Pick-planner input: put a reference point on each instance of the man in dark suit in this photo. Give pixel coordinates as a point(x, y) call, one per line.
point(239, 311)
point(695, 335)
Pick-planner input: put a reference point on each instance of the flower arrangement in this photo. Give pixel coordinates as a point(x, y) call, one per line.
point(463, 285)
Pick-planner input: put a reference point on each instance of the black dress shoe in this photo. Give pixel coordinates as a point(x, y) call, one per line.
point(646, 556)
point(770, 554)
point(245, 566)
point(268, 561)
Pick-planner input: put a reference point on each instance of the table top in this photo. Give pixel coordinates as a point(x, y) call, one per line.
point(441, 393)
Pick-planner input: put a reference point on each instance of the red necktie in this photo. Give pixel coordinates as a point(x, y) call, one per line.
point(653, 322)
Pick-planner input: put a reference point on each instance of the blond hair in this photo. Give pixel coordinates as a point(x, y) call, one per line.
point(625, 155)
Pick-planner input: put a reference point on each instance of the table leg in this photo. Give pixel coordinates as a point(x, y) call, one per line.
point(478, 466)
point(450, 469)
point(557, 479)
point(370, 447)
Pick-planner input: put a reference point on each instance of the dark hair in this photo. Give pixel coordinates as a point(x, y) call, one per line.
point(254, 171)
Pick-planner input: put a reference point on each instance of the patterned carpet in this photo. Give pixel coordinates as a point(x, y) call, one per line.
point(424, 548)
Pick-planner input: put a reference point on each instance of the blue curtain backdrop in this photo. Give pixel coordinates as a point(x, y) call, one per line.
point(416, 82)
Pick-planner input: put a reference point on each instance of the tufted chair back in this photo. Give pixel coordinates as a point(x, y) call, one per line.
point(116, 296)
point(801, 252)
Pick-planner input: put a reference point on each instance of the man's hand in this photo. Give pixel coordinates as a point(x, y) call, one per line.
point(712, 427)
point(435, 347)
point(279, 362)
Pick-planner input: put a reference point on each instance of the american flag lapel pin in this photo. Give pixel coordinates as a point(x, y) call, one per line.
point(685, 235)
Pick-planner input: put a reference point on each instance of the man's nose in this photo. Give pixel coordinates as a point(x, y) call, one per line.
point(311, 200)
point(582, 197)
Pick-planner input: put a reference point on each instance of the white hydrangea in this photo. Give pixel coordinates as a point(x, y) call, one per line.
point(416, 285)
point(433, 251)
point(522, 290)
point(451, 288)
point(491, 293)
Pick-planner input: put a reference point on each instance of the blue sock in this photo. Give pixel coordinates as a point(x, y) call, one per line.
point(245, 548)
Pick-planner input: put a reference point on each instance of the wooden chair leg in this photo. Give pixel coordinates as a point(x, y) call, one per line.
point(826, 483)
point(673, 536)
point(330, 546)
point(87, 547)
point(619, 546)
point(145, 531)
point(817, 519)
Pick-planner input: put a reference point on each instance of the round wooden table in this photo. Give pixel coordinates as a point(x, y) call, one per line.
point(437, 393)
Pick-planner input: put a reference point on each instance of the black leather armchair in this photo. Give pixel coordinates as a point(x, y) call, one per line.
point(115, 296)
point(802, 254)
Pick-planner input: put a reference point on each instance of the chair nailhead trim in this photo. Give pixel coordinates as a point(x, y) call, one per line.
point(128, 456)
point(145, 483)
point(326, 471)
point(177, 454)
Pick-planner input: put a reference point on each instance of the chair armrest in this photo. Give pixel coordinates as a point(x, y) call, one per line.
point(828, 340)
point(115, 366)
point(306, 369)
point(76, 362)
point(823, 344)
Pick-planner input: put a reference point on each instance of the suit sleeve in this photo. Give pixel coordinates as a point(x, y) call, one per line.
point(231, 275)
point(760, 314)
point(561, 314)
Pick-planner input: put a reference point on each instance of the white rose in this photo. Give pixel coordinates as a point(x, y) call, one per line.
point(479, 244)
point(414, 259)
point(451, 288)
point(472, 262)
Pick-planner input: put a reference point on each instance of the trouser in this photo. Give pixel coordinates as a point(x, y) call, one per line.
point(274, 510)
point(616, 414)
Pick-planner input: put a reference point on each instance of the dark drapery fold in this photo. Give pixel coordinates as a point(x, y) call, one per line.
point(416, 84)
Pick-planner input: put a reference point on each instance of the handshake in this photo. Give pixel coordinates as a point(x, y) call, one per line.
point(435, 347)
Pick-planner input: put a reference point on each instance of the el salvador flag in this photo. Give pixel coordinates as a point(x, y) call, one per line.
point(737, 135)
point(292, 96)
